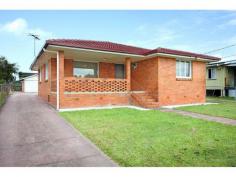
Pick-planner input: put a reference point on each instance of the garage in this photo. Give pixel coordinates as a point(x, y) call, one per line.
point(30, 84)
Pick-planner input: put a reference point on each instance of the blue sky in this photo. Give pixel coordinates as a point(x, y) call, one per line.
point(196, 31)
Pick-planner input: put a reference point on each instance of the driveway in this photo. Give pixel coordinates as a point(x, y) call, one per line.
point(33, 134)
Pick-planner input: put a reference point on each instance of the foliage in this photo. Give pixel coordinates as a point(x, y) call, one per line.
point(7, 70)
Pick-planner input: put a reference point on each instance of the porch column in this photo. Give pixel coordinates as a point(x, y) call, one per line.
point(61, 78)
point(128, 73)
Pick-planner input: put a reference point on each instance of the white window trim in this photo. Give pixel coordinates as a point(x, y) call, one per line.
point(46, 71)
point(190, 74)
point(40, 74)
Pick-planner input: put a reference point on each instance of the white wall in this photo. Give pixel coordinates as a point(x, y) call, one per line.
point(31, 84)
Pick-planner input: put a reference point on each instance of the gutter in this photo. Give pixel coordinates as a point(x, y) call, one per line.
point(57, 92)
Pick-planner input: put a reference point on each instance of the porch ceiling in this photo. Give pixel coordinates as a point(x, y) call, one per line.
point(94, 56)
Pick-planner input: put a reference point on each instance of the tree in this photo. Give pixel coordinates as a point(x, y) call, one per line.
point(7, 70)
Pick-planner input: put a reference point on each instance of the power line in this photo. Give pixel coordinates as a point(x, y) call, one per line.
point(215, 50)
point(229, 56)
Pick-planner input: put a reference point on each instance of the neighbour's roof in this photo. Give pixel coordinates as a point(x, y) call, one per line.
point(33, 75)
point(223, 63)
point(25, 74)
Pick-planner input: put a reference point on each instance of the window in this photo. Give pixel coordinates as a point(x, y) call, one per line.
point(46, 71)
point(40, 74)
point(85, 69)
point(183, 69)
point(212, 73)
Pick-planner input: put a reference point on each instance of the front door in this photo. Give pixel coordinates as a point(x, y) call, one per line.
point(119, 71)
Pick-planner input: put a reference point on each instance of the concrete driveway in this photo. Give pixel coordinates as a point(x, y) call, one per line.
point(32, 134)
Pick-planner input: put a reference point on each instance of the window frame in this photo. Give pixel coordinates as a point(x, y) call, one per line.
point(46, 72)
point(210, 69)
point(97, 63)
point(40, 74)
point(190, 69)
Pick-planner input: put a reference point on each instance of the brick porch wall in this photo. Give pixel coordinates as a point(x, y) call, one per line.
point(172, 91)
point(106, 70)
point(93, 100)
point(145, 76)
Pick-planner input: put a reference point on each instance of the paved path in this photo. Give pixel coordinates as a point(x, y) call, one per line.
point(202, 116)
point(32, 134)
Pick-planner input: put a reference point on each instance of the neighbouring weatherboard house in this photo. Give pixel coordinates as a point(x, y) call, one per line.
point(85, 73)
point(221, 78)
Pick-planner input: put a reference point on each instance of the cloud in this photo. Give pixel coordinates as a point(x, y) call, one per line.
point(17, 26)
point(232, 22)
point(20, 27)
point(152, 36)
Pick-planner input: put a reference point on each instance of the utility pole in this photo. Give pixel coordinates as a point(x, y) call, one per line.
point(35, 37)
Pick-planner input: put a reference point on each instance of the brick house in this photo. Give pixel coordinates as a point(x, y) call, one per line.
point(82, 73)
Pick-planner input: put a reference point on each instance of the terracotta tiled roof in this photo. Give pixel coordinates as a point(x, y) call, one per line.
point(98, 45)
point(179, 52)
point(121, 48)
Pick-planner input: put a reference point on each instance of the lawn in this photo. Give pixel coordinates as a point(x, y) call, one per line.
point(225, 108)
point(153, 138)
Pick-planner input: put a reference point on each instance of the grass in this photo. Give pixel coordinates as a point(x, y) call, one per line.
point(225, 108)
point(153, 138)
point(3, 97)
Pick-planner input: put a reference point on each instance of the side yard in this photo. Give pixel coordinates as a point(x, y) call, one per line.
point(3, 97)
point(153, 138)
point(225, 108)
point(4, 92)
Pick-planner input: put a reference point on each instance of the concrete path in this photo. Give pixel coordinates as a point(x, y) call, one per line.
point(32, 134)
point(202, 116)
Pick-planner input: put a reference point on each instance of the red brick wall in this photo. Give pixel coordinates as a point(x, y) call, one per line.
point(92, 100)
point(172, 91)
point(68, 67)
point(106, 70)
point(157, 75)
point(44, 85)
point(53, 69)
point(145, 76)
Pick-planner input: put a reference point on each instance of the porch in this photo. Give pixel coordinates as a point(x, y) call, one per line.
point(84, 79)
point(80, 77)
